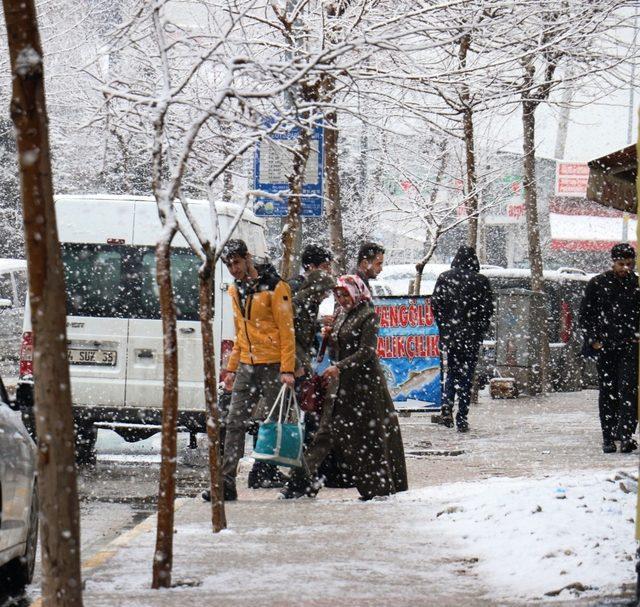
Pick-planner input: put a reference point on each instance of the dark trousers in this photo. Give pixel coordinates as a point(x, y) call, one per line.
point(618, 400)
point(461, 366)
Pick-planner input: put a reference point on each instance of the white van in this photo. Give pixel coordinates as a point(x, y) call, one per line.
point(13, 291)
point(113, 318)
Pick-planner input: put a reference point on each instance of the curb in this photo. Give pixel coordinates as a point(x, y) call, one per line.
point(111, 549)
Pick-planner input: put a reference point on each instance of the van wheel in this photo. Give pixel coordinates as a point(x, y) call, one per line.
point(86, 437)
point(18, 573)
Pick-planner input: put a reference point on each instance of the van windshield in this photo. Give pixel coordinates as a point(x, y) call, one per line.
point(120, 281)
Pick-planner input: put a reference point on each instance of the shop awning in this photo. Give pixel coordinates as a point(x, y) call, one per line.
point(612, 180)
point(582, 225)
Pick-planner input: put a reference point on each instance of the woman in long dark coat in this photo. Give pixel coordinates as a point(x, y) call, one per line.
point(359, 422)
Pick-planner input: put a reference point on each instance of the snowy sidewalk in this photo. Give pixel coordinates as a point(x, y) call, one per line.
point(564, 517)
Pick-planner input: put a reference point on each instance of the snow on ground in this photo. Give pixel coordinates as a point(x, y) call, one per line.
point(499, 540)
point(532, 537)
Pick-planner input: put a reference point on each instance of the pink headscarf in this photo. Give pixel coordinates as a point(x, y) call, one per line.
point(354, 285)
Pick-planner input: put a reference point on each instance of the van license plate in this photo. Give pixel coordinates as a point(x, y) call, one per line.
point(92, 357)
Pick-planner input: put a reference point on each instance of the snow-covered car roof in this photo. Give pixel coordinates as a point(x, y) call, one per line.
point(397, 277)
point(561, 274)
point(407, 271)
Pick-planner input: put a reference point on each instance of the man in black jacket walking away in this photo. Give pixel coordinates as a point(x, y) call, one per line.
point(609, 315)
point(462, 303)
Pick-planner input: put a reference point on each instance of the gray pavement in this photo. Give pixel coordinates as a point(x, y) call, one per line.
point(335, 550)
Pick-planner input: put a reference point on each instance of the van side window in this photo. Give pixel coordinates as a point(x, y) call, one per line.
point(97, 281)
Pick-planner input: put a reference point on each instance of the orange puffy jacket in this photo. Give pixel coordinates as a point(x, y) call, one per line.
point(263, 320)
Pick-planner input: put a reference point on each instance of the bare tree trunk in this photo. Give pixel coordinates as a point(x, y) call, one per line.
point(469, 145)
point(431, 240)
point(471, 181)
point(60, 524)
point(417, 281)
point(227, 179)
point(227, 186)
point(163, 558)
point(218, 516)
point(333, 202)
point(294, 224)
point(539, 323)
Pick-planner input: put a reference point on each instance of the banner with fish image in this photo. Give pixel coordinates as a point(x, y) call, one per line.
point(408, 348)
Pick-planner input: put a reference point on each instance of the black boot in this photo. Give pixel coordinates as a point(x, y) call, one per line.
point(447, 417)
point(628, 445)
point(265, 476)
point(299, 485)
point(229, 491)
point(608, 446)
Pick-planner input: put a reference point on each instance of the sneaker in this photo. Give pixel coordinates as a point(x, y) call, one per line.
point(265, 476)
point(608, 446)
point(627, 446)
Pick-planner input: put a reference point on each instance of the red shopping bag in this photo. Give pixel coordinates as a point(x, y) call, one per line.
point(312, 394)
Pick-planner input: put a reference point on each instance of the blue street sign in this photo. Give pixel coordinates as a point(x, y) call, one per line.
point(272, 164)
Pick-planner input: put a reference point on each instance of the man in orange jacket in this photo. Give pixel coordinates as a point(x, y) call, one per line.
point(263, 356)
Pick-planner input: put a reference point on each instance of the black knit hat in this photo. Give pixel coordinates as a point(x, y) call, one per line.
point(623, 251)
point(315, 255)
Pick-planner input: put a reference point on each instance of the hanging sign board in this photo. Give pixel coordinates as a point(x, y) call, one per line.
point(273, 164)
point(572, 179)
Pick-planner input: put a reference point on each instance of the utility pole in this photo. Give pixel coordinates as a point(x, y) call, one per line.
point(632, 85)
point(563, 121)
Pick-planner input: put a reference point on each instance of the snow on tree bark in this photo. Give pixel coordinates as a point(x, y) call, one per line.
point(333, 202)
point(218, 516)
point(163, 557)
point(60, 525)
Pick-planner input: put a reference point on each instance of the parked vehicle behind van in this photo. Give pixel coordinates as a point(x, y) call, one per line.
point(13, 291)
point(564, 289)
point(113, 316)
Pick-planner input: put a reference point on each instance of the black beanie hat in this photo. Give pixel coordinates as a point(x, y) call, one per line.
point(623, 251)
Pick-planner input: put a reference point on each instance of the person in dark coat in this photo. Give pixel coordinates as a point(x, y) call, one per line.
point(306, 304)
point(359, 421)
point(462, 304)
point(609, 316)
point(313, 258)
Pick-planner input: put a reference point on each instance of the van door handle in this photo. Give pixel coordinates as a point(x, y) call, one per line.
point(145, 353)
point(187, 330)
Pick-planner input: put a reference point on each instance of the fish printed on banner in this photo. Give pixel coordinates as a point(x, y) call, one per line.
point(408, 349)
